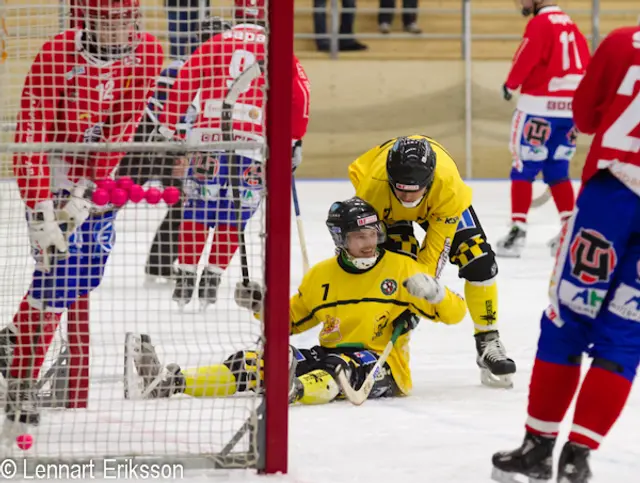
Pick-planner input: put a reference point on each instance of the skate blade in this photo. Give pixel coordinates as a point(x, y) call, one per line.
point(507, 254)
point(505, 477)
point(491, 380)
point(203, 306)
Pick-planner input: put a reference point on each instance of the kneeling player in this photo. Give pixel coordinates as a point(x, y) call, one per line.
point(413, 179)
point(359, 297)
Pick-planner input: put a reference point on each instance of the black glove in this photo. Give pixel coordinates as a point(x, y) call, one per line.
point(408, 319)
point(506, 93)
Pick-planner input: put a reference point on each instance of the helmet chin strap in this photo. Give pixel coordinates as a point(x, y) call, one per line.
point(361, 263)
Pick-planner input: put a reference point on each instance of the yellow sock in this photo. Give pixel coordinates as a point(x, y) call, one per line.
point(482, 301)
point(319, 387)
point(209, 381)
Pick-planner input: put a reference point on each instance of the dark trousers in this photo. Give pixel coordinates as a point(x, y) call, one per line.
point(408, 17)
point(183, 23)
point(346, 21)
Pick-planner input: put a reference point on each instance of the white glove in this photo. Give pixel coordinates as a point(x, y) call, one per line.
point(77, 209)
point(296, 155)
point(424, 286)
point(45, 233)
point(249, 296)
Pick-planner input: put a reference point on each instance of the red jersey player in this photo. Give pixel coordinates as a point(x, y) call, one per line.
point(85, 85)
point(547, 68)
point(595, 287)
point(210, 71)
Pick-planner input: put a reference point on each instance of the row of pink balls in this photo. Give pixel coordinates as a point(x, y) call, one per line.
point(119, 191)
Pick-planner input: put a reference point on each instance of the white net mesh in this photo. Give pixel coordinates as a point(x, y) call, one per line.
point(88, 90)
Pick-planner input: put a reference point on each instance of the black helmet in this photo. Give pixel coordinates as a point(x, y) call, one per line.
point(210, 26)
point(411, 164)
point(350, 215)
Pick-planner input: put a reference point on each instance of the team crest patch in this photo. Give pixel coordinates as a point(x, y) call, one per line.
point(389, 286)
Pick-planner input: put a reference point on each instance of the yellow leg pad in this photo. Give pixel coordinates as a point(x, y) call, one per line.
point(482, 301)
point(319, 387)
point(210, 381)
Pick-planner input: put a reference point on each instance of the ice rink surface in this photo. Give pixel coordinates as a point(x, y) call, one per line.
point(445, 432)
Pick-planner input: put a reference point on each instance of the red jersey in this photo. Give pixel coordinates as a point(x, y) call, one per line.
point(607, 104)
point(71, 96)
point(549, 64)
point(209, 73)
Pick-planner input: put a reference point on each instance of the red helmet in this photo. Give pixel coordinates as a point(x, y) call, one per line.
point(112, 24)
point(250, 10)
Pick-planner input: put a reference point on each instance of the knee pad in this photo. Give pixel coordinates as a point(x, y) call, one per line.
point(401, 239)
point(247, 367)
point(476, 260)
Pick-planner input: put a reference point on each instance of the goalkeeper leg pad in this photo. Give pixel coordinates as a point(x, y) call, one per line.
point(315, 387)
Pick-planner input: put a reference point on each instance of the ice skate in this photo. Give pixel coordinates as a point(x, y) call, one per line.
point(533, 460)
point(496, 368)
point(145, 378)
point(295, 386)
point(512, 245)
point(573, 466)
point(208, 288)
point(185, 286)
point(21, 406)
point(7, 342)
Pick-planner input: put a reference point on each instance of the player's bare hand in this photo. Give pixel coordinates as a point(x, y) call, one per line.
point(45, 232)
point(249, 296)
point(424, 286)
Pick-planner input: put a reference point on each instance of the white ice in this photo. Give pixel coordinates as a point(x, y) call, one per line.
point(445, 431)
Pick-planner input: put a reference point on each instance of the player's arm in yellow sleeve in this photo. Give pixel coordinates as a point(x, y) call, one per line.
point(302, 317)
point(429, 297)
point(361, 167)
point(434, 252)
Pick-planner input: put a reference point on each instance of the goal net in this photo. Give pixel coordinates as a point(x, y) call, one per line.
point(107, 284)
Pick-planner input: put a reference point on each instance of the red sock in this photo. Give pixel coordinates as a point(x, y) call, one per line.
point(35, 331)
point(564, 198)
point(79, 341)
point(550, 393)
point(601, 399)
point(224, 246)
point(521, 195)
point(191, 241)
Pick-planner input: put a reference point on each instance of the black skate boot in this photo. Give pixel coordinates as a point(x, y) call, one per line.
point(512, 245)
point(534, 459)
point(496, 368)
point(208, 289)
point(7, 343)
point(185, 286)
point(21, 404)
point(573, 466)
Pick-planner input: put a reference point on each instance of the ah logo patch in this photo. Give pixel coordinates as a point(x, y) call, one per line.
point(389, 286)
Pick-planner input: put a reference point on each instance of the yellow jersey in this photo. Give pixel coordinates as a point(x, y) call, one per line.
point(357, 308)
point(438, 213)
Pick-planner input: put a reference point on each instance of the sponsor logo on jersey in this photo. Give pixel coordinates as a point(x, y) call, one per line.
point(582, 300)
point(593, 257)
point(381, 323)
point(626, 303)
point(388, 286)
point(367, 220)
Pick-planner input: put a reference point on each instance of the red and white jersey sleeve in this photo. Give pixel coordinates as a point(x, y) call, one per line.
point(549, 64)
point(71, 97)
point(607, 104)
point(301, 97)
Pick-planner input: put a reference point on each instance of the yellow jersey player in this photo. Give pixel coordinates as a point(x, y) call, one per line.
point(414, 179)
point(358, 296)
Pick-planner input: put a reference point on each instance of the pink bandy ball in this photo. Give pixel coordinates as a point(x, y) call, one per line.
point(125, 183)
point(119, 197)
point(171, 195)
point(153, 196)
point(24, 441)
point(100, 197)
point(136, 193)
point(106, 184)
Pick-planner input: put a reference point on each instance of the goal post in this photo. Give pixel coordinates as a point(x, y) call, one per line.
point(84, 416)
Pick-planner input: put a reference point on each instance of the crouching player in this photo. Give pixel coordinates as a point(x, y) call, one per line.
point(359, 296)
